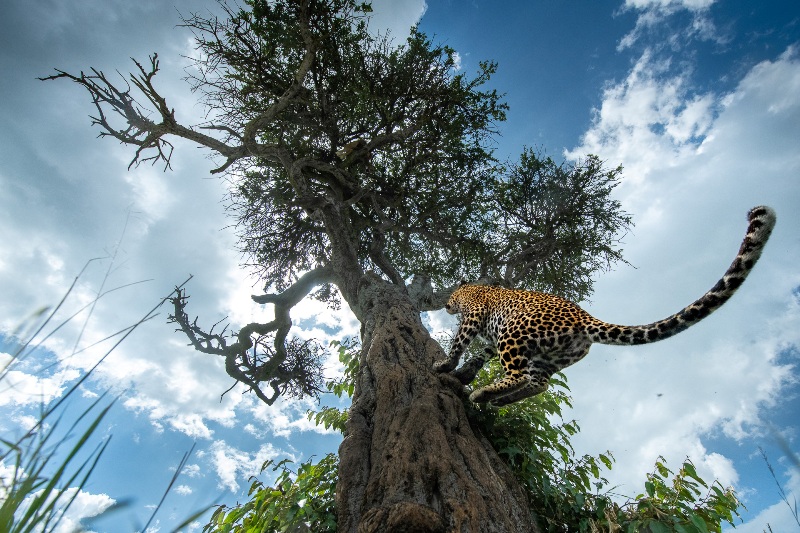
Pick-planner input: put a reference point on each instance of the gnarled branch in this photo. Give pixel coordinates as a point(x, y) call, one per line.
point(145, 132)
point(260, 353)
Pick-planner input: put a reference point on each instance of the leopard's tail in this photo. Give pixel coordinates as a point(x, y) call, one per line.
point(761, 221)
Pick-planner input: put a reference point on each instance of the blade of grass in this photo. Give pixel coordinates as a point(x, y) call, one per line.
point(172, 481)
point(36, 500)
point(44, 503)
point(149, 315)
point(78, 488)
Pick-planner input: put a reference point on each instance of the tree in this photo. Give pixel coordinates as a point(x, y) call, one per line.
point(363, 170)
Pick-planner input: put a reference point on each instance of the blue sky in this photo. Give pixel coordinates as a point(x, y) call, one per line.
point(699, 100)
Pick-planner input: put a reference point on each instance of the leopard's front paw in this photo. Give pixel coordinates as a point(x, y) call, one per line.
point(478, 396)
point(444, 366)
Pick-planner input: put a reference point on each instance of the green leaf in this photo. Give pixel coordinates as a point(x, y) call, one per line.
point(662, 468)
point(699, 523)
point(686, 528)
point(605, 460)
point(658, 527)
point(692, 473)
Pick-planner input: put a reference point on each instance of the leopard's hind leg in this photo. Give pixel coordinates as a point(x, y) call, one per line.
point(537, 384)
point(532, 380)
point(514, 358)
point(505, 386)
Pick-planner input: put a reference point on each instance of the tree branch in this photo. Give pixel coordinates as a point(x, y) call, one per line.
point(299, 290)
point(260, 352)
point(147, 134)
point(424, 297)
point(376, 248)
point(264, 119)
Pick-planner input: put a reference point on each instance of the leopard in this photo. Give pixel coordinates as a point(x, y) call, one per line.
point(536, 334)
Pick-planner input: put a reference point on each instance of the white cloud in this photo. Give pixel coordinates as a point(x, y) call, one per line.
point(648, 121)
point(688, 183)
point(253, 430)
point(85, 505)
point(151, 191)
point(396, 16)
point(692, 5)
point(653, 14)
point(440, 322)
point(180, 401)
point(457, 61)
point(86, 393)
point(283, 418)
point(21, 389)
point(191, 471)
point(233, 465)
point(183, 490)
point(28, 422)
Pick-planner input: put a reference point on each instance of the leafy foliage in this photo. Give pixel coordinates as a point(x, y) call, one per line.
point(528, 436)
point(686, 503)
point(301, 499)
point(559, 224)
point(381, 127)
point(569, 493)
point(333, 417)
point(343, 146)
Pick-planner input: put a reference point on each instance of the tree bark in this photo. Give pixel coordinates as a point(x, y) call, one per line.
point(410, 460)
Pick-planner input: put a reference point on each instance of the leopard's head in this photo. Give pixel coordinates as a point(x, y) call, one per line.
point(455, 303)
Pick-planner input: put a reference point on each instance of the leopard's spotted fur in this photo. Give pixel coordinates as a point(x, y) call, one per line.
point(536, 334)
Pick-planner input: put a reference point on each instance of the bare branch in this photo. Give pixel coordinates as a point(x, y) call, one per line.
point(140, 130)
point(299, 290)
point(260, 353)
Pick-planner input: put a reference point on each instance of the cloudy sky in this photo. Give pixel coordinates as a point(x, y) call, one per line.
point(699, 100)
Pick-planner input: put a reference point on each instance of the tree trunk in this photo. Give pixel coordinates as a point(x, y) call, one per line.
point(410, 460)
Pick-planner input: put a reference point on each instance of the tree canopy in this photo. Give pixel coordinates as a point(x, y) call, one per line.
point(351, 152)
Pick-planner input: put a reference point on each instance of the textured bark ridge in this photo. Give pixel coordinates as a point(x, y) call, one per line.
point(410, 461)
